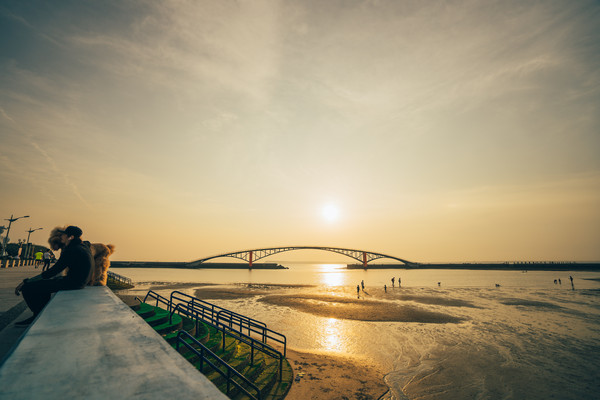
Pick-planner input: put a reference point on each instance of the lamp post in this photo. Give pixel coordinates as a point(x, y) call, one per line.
point(28, 251)
point(10, 221)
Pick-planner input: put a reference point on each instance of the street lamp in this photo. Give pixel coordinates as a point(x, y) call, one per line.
point(10, 221)
point(27, 246)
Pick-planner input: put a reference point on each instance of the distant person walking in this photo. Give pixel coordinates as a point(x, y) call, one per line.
point(385, 288)
point(572, 286)
point(47, 257)
point(362, 283)
point(393, 281)
point(358, 290)
point(38, 258)
point(399, 281)
point(559, 281)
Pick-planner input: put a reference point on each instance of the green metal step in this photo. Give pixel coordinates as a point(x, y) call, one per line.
point(263, 372)
point(145, 310)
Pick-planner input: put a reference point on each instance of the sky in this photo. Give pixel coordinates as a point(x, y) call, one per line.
point(428, 130)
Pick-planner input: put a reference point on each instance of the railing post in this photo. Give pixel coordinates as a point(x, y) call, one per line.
point(228, 380)
point(202, 359)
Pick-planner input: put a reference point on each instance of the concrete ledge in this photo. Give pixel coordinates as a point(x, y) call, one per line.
point(89, 344)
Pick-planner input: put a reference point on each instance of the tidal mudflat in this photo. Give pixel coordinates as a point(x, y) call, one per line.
point(534, 341)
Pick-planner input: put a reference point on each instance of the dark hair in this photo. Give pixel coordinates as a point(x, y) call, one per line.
point(73, 231)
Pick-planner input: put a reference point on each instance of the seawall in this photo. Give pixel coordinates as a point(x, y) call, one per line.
point(525, 266)
point(161, 264)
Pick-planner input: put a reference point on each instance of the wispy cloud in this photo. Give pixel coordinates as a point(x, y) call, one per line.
point(67, 180)
point(6, 116)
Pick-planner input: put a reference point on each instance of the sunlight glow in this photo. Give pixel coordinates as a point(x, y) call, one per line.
point(331, 274)
point(332, 279)
point(330, 212)
point(331, 339)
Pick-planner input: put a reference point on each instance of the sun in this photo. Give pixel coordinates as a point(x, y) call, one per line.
point(330, 212)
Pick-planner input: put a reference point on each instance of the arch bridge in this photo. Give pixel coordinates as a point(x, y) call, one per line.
point(251, 256)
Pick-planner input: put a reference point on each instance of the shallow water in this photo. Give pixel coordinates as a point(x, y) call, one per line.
point(527, 339)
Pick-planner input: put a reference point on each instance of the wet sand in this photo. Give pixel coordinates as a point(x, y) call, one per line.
point(241, 291)
point(328, 377)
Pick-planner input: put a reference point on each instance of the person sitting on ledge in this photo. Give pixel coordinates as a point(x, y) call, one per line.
point(77, 256)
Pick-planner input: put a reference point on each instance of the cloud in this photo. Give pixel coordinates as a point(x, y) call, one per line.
point(188, 46)
point(6, 116)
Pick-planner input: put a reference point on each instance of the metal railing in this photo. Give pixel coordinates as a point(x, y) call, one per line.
point(119, 278)
point(265, 333)
point(8, 262)
point(212, 308)
point(158, 299)
point(198, 310)
point(231, 318)
point(225, 374)
point(194, 313)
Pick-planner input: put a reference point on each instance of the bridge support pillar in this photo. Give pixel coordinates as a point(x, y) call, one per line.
point(250, 264)
point(364, 259)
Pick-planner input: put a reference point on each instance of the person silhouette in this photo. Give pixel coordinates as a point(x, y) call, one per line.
point(76, 256)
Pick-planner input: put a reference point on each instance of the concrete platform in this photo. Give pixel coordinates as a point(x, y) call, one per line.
point(89, 344)
point(9, 279)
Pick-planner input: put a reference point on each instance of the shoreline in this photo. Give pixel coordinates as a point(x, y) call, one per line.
point(512, 266)
point(533, 266)
point(186, 265)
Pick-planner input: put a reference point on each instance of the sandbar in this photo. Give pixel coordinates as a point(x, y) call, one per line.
point(341, 307)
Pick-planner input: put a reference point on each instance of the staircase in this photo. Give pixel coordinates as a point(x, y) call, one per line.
point(240, 366)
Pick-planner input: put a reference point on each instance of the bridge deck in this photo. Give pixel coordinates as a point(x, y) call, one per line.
point(89, 344)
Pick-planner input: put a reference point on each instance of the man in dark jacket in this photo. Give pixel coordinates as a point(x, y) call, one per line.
point(76, 256)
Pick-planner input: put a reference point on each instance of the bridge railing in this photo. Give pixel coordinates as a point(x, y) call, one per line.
point(257, 254)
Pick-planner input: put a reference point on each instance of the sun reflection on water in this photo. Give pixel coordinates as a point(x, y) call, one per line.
point(331, 335)
point(331, 274)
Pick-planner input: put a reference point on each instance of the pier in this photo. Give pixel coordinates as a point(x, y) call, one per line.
point(88, 344)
